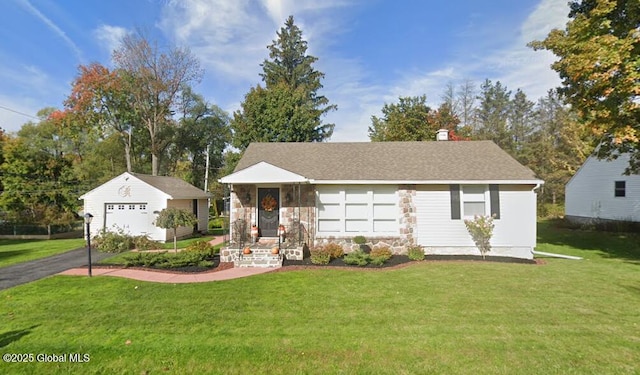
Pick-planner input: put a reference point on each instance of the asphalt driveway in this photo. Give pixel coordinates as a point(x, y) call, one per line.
point(26, 272)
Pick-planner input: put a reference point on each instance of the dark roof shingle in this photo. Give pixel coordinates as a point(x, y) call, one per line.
point(175, 187)
point(390, 161)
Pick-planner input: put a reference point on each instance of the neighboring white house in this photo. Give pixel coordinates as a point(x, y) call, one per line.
point(131, 201)
point(396, 194)
point(600, 190)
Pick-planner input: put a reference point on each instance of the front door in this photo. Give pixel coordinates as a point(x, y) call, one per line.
point(268, 211)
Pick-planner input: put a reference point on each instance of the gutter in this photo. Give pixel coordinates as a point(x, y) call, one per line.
point(534, 252)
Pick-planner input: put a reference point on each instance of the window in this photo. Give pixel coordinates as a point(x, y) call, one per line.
point(359, 209)
point(132, 206)
point(110, 207)
point(470, 200)
point(143, 206)
point(121, 206)
point(620, 189)
point(473, 200)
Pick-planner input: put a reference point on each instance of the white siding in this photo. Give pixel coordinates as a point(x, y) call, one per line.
point(590, 193)
point(183, 204)
point(514, 232)
point(126, 189)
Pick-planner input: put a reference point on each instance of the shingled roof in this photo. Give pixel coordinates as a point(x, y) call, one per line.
point(391, 161)
point(175, 187)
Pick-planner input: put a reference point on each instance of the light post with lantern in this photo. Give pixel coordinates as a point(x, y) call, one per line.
point(87, 219)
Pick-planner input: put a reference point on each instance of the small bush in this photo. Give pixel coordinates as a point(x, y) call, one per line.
point(319, 255)
point(201, 246)
point(166, 260)
point(359, 258)
point(550, 211)
point(378, 260)
point(145, 243)
point(360, 240)
point(382, 252)
point(219, 222)
point(113, 242)
point(415, 253)
point(335, 250)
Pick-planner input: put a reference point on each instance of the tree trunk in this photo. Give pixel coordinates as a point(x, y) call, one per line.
point(175, 241)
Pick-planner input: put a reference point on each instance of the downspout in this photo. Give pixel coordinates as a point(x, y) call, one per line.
point(552, 255)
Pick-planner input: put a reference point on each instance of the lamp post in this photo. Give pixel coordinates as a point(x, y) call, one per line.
point(87, 219)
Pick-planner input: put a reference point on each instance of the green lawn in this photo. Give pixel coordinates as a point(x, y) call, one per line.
point(18, 251)
point(563, 317)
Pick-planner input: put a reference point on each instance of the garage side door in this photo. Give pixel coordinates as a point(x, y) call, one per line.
point(132, 218)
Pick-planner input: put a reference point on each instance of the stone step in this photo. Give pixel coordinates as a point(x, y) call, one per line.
point(259, 260)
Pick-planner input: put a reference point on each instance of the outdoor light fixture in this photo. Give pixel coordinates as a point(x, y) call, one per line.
point(87, 219)
point(247, 198)
point(289, 198)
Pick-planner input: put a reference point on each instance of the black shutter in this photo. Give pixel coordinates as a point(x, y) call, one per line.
point(494, 192)
point(455, 202)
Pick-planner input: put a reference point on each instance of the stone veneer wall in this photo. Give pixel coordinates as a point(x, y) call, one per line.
point(289, 210)
point(406, 226)
point(242, 210)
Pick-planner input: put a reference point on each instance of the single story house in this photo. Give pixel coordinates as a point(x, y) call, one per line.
point(131, 201)
point(395, 194)
point(599, 191)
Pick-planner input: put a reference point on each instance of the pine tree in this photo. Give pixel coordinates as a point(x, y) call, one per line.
point(289, 107)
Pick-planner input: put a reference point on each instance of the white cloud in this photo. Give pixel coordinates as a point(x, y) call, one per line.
point(110, 36)
point(50, 24)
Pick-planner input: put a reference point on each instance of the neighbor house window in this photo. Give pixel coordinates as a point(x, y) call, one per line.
point(362, 209)
point(620, 189)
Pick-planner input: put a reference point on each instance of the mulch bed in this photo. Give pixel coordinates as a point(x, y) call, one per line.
point(396, 261)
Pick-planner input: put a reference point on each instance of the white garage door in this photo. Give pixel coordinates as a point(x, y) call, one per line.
point(132, 218)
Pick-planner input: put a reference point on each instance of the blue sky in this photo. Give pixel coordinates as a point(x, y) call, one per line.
point(371, 51)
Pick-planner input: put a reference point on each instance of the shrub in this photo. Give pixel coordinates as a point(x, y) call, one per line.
point(113, 242)
point(335, 250)
point(166, 260)
point(201, 246)
point(378, 260)
point(219, 222)
point(357, 257)
point(481, 230)
point(360, 240)
point(381, 252)
point(145, 243)
point(319, 255)
point(415, 253)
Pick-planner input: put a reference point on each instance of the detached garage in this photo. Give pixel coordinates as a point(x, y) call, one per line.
point(131, 201)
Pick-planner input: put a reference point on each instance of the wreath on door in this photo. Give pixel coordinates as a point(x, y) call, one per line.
point(269, 203)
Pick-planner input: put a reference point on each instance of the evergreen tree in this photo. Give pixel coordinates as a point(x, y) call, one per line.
point(520, 120)
point(289, 107)
point(493, 113)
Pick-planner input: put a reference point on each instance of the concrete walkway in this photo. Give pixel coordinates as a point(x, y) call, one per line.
point(171, 277)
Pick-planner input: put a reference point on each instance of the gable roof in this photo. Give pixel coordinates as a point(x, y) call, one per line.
point(174, 187)
point(400, 162)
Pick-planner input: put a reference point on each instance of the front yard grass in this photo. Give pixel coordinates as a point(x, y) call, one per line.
point(563, 317)
point(18, 251)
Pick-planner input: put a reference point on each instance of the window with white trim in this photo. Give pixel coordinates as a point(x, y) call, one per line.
point(358, 209)
point(474, 200)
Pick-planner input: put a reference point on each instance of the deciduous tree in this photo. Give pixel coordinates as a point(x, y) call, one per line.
point(172, 218)
point(599, 63)
point(155, 78)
